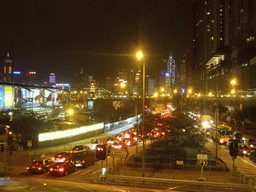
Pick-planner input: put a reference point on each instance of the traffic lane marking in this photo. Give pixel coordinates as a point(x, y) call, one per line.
point(240, 158)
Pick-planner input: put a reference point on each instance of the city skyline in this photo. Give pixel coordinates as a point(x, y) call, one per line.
point(100, 36)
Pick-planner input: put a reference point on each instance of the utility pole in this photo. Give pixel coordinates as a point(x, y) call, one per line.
point(217, 120)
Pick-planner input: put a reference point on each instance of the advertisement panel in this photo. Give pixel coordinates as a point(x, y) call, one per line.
point(8, 96)
point(2, 96)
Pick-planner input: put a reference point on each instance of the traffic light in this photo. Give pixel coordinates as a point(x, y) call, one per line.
point(101, 152)
point(233, 149)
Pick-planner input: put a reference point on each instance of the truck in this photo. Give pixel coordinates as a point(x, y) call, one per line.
point(221, 134)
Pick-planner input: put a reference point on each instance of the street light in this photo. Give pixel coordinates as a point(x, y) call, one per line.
point(233, 82)
point(175, 91)
point(139, 56)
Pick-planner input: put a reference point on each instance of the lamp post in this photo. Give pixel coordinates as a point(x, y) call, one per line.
point(139, 56)
point(233, 83)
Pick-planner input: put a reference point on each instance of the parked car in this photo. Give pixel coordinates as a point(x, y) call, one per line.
point(62, 157)
point(83, 158)
point(39, 166)
point(63, 168)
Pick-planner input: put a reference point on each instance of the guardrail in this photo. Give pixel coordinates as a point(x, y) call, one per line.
point(159, 180)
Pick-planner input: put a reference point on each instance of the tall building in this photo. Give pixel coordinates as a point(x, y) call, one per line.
point(8, 69)
point(215, 29)
point(170, 75)
point(242, 22)
point(52, 79)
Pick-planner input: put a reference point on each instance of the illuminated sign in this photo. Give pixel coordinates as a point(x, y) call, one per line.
point(16, 72)
point(8, 96)
point(2, 96)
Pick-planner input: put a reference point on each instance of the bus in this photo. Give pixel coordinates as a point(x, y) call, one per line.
point(222, 134)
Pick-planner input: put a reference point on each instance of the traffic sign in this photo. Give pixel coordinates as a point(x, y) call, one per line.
point(29, 143)
point(118, 153)
point(202, 156)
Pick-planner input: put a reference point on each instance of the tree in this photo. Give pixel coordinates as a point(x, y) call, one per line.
point(29, 128)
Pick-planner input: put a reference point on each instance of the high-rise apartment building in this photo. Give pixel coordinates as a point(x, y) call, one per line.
point(215, 29)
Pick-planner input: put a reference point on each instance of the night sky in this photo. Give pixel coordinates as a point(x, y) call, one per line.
point(100, 36)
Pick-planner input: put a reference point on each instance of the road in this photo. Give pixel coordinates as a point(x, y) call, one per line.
point(42, 185)
point(243, 164)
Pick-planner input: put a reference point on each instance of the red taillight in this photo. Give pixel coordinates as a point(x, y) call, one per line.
point(72, 161)
point(51, 169)
point(61, 169)
point(27, 167)
point(64, 158)
point(82, 161)
point(39, 168)
point(53, 159)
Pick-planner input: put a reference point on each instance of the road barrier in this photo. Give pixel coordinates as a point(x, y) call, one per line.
point(160, 180)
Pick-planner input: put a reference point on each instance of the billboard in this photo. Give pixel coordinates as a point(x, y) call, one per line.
point(8, 96)
point(2, 96)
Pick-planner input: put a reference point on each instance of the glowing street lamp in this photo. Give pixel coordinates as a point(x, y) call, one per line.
point(189, 91)
point(139, 56)
point(122, 85)
point(233, 82)
point(162, 89)
point(175, 91)
point(70, 111)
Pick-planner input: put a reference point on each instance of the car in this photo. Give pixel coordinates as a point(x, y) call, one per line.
point(83, 159)
point(62, 157)
point(244, 149)
point(63, 168)
point(252, 156)
point(93, 144)
point(39, 166)
point(238, 135)
point(129, 142)
point(251, 143)
point(118, 145)
point(79, 148)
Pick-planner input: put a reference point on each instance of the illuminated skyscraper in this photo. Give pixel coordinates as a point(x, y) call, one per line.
point(8, 72)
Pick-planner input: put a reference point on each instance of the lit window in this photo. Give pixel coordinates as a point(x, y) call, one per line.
point(212, 21)
point(242, 10)
point(208, 30)
point(194, 40)
point(220, 9)
point(221, 22)
point(220, 14)
point(212, 38)
point(221, 39)
point(208, 13)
